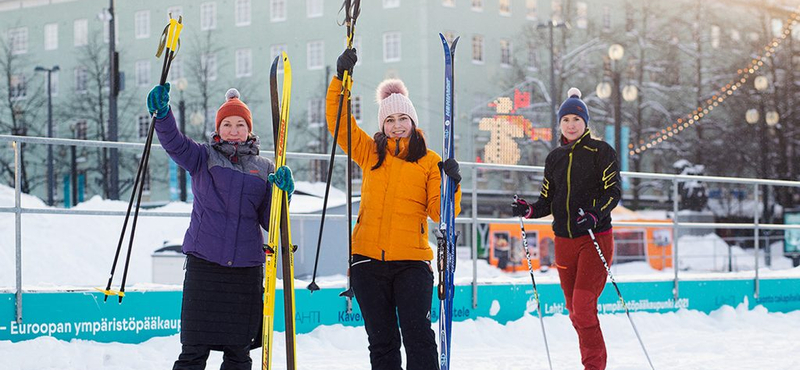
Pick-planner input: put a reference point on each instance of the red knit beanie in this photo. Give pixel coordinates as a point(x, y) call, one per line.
point(234, 107)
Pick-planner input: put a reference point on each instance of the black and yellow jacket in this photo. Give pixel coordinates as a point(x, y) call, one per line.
point(581, 174)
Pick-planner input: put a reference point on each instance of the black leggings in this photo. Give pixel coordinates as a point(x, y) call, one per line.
point(389, 292)
point(233, 358)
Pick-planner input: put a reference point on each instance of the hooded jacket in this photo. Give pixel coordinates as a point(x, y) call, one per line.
point(231, 196)
point(396, 198)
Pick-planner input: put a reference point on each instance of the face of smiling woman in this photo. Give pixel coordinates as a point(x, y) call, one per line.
point(397, 126)
point(572, 127)
point(233, 128)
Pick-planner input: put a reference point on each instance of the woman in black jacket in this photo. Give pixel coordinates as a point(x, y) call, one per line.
point(580, 175)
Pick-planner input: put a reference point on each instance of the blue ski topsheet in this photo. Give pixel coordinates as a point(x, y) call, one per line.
point(447, 235)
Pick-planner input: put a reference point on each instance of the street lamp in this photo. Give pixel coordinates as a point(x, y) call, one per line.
point(605, 90)
point(771, 119)
point(50, 177)
point(553, 100)
point(182, 84)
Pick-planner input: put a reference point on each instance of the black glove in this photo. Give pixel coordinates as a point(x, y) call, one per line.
point(346, 62)
point(521, 208)
point(451, 169)
point(586, 221)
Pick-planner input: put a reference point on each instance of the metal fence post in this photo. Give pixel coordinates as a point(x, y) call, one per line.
point(757, 235)
point(474, 237)
point(675, 236)
point(18, 227)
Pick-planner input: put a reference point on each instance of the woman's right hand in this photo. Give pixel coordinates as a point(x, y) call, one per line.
point(346, 62)
point(521, 208)
point(158, 100)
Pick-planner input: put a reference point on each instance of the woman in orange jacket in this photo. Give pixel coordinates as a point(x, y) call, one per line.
point(391, 274)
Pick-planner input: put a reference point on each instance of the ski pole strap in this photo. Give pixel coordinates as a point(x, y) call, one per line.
point(170, 37)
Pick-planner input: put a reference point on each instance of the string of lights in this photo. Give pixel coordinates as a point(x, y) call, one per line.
point(743, 75)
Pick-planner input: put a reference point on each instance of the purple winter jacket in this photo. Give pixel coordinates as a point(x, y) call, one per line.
point(231, 200)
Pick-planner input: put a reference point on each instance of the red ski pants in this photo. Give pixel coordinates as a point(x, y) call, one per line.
point(583, 278)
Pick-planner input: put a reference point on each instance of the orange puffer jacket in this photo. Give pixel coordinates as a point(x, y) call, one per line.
point(396, 199)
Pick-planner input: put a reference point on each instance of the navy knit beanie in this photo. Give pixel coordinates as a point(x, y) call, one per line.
point(574, 105)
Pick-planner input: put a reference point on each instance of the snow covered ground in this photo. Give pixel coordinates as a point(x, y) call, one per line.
point(76, 251)
point(727, 339)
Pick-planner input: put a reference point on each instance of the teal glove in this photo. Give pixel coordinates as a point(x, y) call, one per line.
point(158, 100)
point(282, 178)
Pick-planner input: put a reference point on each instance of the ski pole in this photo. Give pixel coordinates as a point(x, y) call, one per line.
point(352, 11)
point(619, 294)
point(170, 41)
point(533, 280)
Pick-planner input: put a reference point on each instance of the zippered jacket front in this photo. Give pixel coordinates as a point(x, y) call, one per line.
point(581, 174)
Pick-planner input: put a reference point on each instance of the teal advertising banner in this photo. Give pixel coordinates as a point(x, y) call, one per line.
point(144, 315)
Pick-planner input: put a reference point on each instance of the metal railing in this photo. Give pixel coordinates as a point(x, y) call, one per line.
point(473, 219)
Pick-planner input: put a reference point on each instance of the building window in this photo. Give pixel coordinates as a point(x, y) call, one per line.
point(505, 7)
point(17, 88)
point(391, 47)
point(80, 29)
point(715, 33)
point(277, 10)
point(355, 104)
point(477, 5)
point(582, 15)
point(142, 24)
point(244, 63)
point(51, 36)
point(175, 11)
point(316, 112)
point(736, 36)
point(505, 53)
point(142, 72)
point(208, 16)
point(81, 128)
point(315, 52)
point(606, 19)
point(18, 40)
point(477, 49)
point(314, 8)
point(107, 32)
point(391, 4)
point(81, 80)
point(208, 64)
point(449, 3)
point(530, 9)
point(243, 11)
point(144, 125)
point(176, 68)
point(274, 51)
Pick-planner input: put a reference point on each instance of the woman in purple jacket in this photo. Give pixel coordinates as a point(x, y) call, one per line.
point(231, 184)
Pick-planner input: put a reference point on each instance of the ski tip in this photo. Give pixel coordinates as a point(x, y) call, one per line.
point(347, 293)
point(313, 287)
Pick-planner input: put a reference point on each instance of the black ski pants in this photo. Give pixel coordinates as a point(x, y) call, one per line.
point(233, 357)
point(392, 292)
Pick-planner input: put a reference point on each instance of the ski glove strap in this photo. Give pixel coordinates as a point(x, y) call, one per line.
point(282, 178)
point(521, 208)
point(451, 169)
point(586, 221)
point(158, 100)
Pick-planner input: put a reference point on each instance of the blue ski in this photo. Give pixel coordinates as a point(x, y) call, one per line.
point(446, 235)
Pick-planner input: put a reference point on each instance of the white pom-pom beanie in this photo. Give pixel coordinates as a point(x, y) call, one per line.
point(234, 107)
point(392, 98)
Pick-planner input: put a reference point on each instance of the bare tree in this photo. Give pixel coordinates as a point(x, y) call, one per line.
point(19, 108)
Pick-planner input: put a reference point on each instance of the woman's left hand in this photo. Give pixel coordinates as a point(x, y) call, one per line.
point(282, 178)
point(451, 169)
